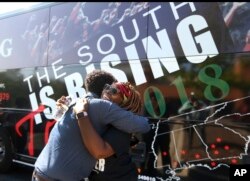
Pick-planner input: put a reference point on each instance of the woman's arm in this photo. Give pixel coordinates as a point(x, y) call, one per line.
point(97, 147)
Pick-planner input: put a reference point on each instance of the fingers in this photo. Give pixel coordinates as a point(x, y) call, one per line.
point(80, 105)
point(85, 101)
point(58, 104)
point(61, 101)
point(85, 104)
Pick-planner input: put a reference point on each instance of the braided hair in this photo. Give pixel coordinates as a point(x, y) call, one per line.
point(131, 97)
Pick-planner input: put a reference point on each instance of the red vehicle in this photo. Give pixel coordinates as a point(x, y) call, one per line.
point(189, 60)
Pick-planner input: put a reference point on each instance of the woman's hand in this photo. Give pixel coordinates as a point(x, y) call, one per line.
point(60, 102)
point(81, 105)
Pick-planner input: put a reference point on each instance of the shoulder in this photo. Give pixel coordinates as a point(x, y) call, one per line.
point(102, 102)
point(69, 113)
point(105, 106)
point(99, 104)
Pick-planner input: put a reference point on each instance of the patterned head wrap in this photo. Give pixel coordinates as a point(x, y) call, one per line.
point(131, 97)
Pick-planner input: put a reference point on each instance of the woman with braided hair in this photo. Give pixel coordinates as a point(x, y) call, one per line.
point(119, 166)
point(125, 95)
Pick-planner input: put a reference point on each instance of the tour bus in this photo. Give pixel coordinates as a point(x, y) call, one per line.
point(189, 60)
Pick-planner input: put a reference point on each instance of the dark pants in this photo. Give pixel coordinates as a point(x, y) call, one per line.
point(102, 177)
point(117, 169)
point(38, 177)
